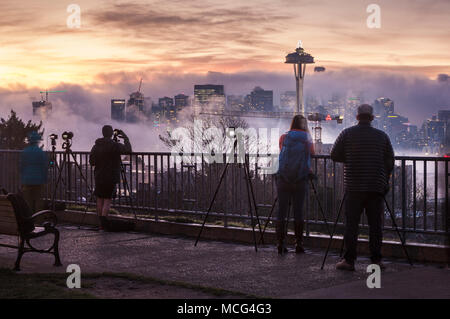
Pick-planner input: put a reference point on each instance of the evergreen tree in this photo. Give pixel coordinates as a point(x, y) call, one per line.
point(13, 132)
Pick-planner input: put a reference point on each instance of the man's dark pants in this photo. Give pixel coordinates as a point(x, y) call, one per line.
point(373, 204)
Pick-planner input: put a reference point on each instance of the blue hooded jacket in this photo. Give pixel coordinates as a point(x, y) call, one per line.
point(33, 165)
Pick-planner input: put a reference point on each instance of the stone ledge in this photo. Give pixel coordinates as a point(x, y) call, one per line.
point(417, 251)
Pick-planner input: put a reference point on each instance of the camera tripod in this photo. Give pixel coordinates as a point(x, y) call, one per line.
point(124, 180)
point(402, 239)
point(66, 161)
point(250, 199)
point(287, 219)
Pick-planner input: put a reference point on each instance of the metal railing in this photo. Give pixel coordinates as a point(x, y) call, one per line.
point(164, 186)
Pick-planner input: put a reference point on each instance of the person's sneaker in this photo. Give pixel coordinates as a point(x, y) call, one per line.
point(345, 265)
point(282, 250)
point(299, 249)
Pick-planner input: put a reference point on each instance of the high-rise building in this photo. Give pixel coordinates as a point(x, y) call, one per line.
point(135, 110)
point(383, 106)
point(181, 101)
point(237, 103)
point(444, 116)
point(165, 102)
point(350, 111)
point(288, 101)
point(118, 110)
point(383, 109)
point(209, 97)
point(42, 109)
point(167, 108)
point(261, 100)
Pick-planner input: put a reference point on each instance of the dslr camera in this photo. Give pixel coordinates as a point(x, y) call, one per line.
point(117, 134)
point(67, 137)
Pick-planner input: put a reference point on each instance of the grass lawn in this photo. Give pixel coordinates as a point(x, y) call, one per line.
point(15, 285)
point(36, 286)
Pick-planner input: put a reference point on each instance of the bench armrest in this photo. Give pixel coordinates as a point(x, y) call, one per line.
point(45, 215)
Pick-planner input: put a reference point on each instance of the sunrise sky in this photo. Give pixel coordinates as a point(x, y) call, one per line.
point(160, 37)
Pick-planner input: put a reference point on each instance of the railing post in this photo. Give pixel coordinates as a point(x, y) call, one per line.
point(447, 226)
point(403, 197)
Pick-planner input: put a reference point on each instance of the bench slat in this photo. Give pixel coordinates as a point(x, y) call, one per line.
point(10, 219)
point(7, 213)
point(8, 228)
point(8, 223)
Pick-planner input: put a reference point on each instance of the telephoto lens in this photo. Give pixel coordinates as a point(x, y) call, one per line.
point(67, 135)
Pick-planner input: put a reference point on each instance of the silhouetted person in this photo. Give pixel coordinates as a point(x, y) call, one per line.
point(33, 165)
point(105, 157)
point(296, 148)
point(368, 160)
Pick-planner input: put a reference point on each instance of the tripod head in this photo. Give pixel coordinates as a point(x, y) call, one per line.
point(117, 134)
point(53, 138)
point(67, 137)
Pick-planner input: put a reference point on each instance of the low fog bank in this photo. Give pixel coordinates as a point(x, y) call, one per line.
point(85, 109)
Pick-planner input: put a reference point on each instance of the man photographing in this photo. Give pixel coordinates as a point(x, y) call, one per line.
point(368, 160)
point(105, 157)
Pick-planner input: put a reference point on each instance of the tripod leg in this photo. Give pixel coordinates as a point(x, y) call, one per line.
point(127, 187)
point(402, 240)
point(268, 218)
point(320, 207)
point(342, 248)
point(89, 188)
point(211, 203)
point(58, 179)
point(247, 183)
point(334, 229)
point(254, 200)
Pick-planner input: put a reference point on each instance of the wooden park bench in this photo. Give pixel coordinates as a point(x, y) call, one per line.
point(16, 219)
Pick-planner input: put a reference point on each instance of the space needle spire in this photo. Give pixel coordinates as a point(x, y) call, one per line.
point(299, 59)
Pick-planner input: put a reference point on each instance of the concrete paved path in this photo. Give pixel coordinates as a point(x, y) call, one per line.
point(231, 266)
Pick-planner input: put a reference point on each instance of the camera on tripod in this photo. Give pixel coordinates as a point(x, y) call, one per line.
point(117, 134)
point(53, 137)
point(67, 137)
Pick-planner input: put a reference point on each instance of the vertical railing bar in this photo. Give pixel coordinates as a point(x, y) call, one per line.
point(393, 191)
point(435, 194)
point(447, 213)
point(168, 183)
point(325, 193)
point(403, 195)
point(414, 195)
point(155, 173)
point(161, 160)
point(424, 213)
point(225, 206)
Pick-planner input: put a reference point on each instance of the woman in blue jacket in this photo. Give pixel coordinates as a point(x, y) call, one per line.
point(33, 165)
point(296, 148)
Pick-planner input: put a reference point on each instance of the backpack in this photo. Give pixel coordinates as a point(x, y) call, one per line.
point(294, 160)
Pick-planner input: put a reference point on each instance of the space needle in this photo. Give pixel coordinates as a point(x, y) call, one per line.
point(299, 59)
